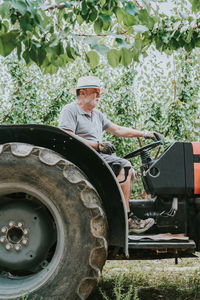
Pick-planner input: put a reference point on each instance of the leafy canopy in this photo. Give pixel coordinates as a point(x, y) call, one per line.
point(51, 35)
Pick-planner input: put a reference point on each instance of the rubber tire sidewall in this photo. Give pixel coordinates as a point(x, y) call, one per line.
point(79, 241)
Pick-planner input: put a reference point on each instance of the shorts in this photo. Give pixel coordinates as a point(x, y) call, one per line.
point(116, 163)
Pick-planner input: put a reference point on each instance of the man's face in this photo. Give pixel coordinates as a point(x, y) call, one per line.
point(92, 96)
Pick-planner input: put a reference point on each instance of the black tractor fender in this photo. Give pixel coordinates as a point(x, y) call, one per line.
point(88, 160)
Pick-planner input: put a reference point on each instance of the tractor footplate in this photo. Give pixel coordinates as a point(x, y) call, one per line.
point(160, 241)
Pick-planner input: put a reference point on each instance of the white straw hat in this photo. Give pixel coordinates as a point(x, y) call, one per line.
point(87, 82)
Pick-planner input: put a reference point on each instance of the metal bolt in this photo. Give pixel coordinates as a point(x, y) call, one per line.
point(8, 247)
point(18, 247)
point(26, 231)
point(2, 239)
point(4, 229)
point(20, 224)
point(11, 223)
point(25, 242)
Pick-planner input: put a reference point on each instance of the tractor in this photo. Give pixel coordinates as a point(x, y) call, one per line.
point(63, 214)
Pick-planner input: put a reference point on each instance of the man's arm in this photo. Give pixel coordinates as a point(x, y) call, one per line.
point(128, 132)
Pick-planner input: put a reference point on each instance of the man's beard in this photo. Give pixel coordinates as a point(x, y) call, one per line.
point(94, 102)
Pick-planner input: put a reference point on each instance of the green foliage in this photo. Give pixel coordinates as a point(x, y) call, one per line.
point(92, 59)
point(8, 42)
point(52, 36)
point(114, 57)
point(171, 101)
point(195, 5)
point(120, 292)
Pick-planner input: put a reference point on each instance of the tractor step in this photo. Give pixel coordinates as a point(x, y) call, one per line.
point(160, 241)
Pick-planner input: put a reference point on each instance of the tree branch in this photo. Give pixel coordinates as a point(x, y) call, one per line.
point(138, 5)
point(60, 6)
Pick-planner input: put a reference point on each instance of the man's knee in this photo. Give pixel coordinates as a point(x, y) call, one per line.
point(131, 173)
point(127, 173)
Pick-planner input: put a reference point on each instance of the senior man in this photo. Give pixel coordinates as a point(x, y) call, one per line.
point(83, 119)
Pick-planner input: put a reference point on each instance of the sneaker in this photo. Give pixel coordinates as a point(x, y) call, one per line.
point(136, 225)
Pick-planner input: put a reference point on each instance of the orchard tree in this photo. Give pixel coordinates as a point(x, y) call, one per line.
point(51, 34)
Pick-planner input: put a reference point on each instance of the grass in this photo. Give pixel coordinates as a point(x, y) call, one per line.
point(150, 280)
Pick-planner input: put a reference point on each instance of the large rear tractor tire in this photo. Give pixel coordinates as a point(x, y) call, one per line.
point(53, 229)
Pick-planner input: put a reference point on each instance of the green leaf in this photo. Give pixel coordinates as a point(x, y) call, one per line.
point(113, 57)
point(102, 49)
point(188, 47)
point(19, 50)
point(169, 51)
point(50, 69)
point(5, 9)
point(92, 58)
point(98, 25)
point(107, 12)
point(137, 43)
point(59, 48)
point(33, 53)
point(131, 9)
point(41, 55)
point(79, 19)
point(120, 12)
point(67, 4)
point(195, 5)
point(84, 8)
point(146, 19)
point(8, 42)
point(189, 35)
point(26, 56)
point(135, 55)
point(20, 6)
point(197, 42)
point(126, 57)
point(25, 23)
point(70, 52)
point(106, 21)
point(93, 15)
point(103, 2)
point(4, 27)
point(130, 20)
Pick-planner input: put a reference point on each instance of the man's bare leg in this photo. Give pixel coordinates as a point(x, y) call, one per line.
point(135, 224)
point(127, 185)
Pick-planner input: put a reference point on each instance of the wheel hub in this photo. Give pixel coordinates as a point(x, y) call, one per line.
point(27, 232)
point(15, 236)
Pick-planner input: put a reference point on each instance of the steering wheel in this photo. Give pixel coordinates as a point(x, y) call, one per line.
point(143, 149)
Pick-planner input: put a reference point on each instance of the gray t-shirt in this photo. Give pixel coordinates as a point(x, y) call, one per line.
point(91, 128)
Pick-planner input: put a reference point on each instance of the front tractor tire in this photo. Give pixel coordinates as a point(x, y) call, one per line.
point(53, 230)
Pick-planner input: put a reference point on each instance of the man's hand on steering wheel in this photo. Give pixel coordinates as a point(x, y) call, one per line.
point(152, 135)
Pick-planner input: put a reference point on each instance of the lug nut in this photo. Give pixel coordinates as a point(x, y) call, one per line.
point(20, 225)
point(4, 229)
point(2, 239)
point(25, 242)
point(11, 223)
point(26, 231)
point(18, 247)
point(8, 247)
